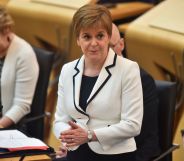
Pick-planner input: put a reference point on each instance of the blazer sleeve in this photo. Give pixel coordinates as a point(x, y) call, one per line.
point(131, 111)
point(61, 116)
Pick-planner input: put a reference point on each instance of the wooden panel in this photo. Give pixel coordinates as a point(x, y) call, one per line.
point(29, 158)
point(125, 10)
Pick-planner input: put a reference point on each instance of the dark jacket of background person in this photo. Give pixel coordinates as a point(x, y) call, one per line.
point(147, 142)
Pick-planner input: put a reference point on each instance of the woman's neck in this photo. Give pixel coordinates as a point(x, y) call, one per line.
point(92, 68)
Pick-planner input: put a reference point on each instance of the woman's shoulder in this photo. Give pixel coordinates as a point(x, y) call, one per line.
point(127, 67)
point(21, 50)
point(68, 69)
point(21, 42)
point(124, 62)
point(19, 46)
point(71, 64)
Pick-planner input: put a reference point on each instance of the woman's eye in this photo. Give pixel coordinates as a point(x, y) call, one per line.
point(100, 36)
point(86, 37)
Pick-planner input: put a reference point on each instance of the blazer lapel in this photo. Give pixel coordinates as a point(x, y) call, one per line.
point(104, 75)
point(103, 78)
point(77, 83)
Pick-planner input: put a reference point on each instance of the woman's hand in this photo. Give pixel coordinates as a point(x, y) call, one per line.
point(5, 122)
point(62, 152)
point(74, 136)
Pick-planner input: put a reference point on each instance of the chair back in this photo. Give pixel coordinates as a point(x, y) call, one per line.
point(166, 111)
point(45, 60)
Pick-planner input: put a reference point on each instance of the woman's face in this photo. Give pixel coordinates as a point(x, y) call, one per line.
point(3, 43)
point(94, 43)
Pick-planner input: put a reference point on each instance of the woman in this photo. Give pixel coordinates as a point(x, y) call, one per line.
point(19, 73)
point(99, 108)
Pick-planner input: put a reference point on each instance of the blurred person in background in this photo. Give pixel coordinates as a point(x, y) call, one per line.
point(18, 73)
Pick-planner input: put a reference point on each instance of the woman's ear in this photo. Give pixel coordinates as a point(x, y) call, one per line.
point(122, 44)
point(78, 43)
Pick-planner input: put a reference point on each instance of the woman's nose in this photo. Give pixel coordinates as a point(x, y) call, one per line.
point(94, 42)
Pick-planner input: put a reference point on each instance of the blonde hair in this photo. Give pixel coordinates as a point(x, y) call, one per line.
point(92, 15)
point(5, 19)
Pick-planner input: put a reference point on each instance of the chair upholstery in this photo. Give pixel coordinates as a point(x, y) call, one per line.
point(33, 123)
point(166, 111)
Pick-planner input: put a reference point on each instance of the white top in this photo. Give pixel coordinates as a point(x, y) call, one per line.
point(18, 80)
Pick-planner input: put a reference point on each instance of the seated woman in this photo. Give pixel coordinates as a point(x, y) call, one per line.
point(18, 73)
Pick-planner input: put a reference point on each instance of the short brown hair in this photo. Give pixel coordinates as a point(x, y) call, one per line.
point(90, 15)
point(5, 19)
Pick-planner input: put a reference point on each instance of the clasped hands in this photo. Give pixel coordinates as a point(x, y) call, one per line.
point(75, 136)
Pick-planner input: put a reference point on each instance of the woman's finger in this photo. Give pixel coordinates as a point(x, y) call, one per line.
point(73, 124)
